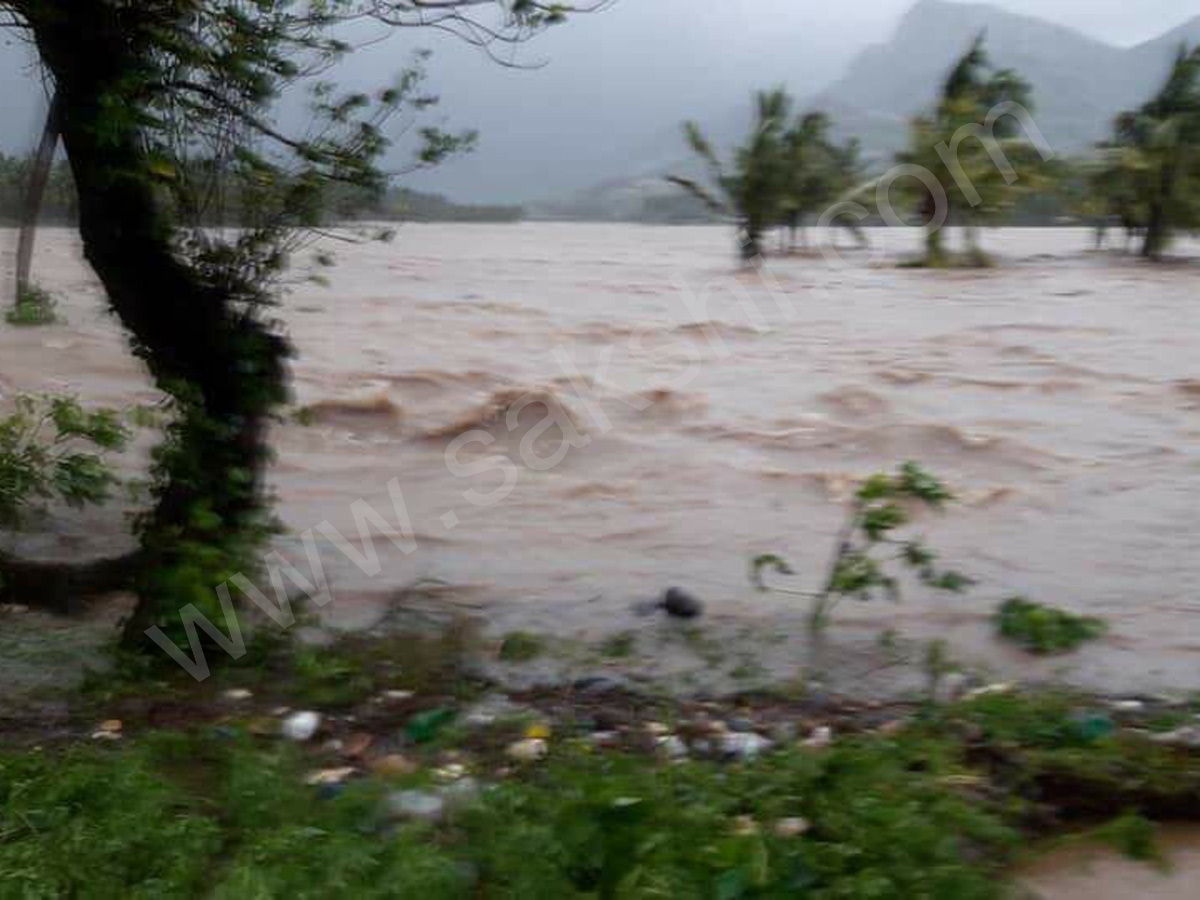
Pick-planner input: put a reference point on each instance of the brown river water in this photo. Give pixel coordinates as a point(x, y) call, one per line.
point(639, 414)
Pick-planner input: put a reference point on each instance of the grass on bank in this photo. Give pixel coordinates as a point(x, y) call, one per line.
point(185, 816)
point(938, 810)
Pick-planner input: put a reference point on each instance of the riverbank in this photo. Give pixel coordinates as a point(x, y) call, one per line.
point(392, 765)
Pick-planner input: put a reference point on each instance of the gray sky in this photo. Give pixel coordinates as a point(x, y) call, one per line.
point(618, 83)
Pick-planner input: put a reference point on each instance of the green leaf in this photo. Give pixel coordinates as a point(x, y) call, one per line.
point(768, 561)
point(877, 521)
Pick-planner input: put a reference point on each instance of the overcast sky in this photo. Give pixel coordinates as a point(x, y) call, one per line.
point(615, 81)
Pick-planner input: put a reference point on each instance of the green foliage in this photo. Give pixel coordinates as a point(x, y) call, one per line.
point(35, 306)
point(521, 646)
point(881, 506)
point(59, 203)
point(325, 677)
point(768, 562)
point(752, 189)
point(783, 172)
point(1044, 629)
point(173, 123)
point(816, 169)
point(199, 546)
point(1132, 835)
point(1148, 174)
point(974, 188)
point(205, 816)
point(53, 449)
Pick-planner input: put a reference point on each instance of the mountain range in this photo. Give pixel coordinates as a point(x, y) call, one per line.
point(1079, 85)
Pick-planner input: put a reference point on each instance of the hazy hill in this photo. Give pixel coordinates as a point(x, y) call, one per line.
point(1079, 83)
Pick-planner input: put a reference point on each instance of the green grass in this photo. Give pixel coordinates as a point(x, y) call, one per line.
point(938, 811)
point(205, 816)
point(1043, 629)
point(324, 677)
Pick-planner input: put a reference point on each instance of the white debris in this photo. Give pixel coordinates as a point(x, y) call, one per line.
point(742, 745)
point(300, 726)
point(672, 747)
point(329, 776)
point(1127, 706)
point(821, 738)
point(792, 827)
point(989, 690)
point(528, 750)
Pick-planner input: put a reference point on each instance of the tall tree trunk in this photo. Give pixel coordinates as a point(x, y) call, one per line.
point(1155, 237)
point(751, 241)
point(35, 191)
point(1157, 226)
point(935, 254)
point(225, 369)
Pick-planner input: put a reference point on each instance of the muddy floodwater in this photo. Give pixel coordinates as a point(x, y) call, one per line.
point(578, 416)
point(1089, 871)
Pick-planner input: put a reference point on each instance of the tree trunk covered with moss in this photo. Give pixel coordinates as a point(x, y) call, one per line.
point(222, 366)
point(165, 110)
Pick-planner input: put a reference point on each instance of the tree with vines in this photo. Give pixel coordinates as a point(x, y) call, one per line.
point(167, 111)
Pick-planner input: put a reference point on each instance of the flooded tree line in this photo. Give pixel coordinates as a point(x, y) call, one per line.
point(975, 159)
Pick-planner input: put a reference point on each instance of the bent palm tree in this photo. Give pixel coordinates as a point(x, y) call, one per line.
point(953, 145)
point(1150, 175)
point(751, 189)
point(817, 170)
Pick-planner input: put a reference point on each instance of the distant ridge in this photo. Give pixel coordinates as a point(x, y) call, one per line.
point(1079, 83)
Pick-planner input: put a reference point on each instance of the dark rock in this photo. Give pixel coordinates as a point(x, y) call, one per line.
point(682, 605)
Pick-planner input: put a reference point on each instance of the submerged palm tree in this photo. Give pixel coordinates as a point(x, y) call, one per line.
point(750, 189)
point(974, 188)
point(816, 170)
point(1148, 176)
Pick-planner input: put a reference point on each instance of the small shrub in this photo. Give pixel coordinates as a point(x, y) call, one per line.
point(1043, 629)
point(1133, 836)
point(51, 448)
point(34, 306)
point(879, 508)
